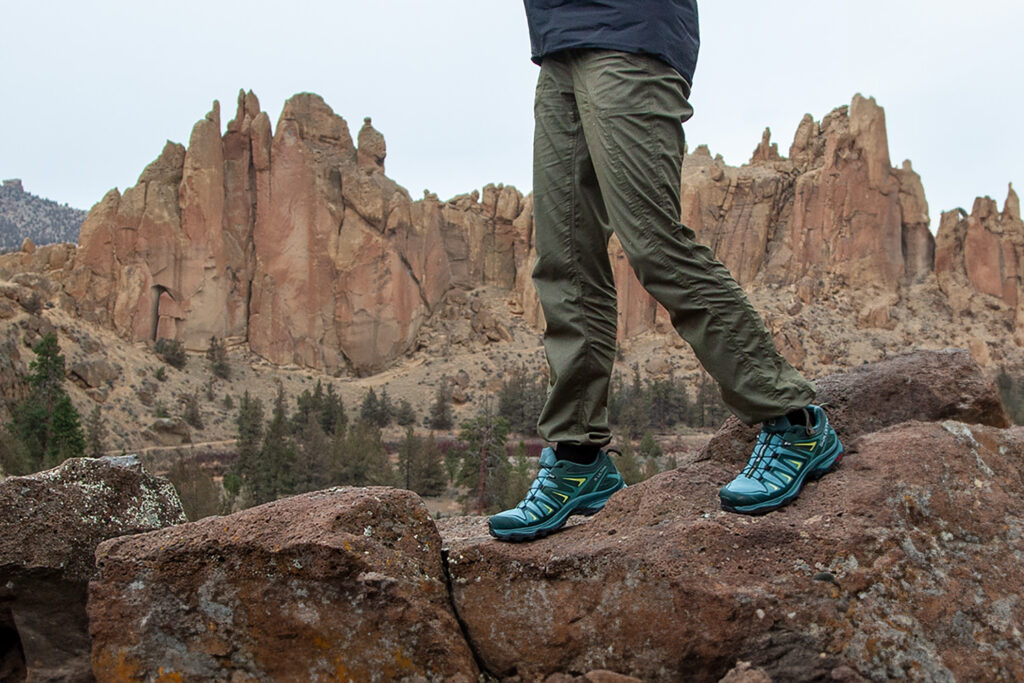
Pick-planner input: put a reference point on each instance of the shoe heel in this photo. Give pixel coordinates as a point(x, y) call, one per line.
point(820, 472)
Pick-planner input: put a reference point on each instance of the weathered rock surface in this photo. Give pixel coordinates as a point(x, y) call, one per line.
point(50, 524)
point(295, 240)
point(905, 562)
point(924, 385)
point(979, 258)
point(343, 584)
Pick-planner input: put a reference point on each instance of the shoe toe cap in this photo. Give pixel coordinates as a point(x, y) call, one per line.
point(509, 519)
point(743, 490)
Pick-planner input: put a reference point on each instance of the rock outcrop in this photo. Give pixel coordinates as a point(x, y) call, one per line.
point(979, 258)
point(905, 562)
point(343, 584)
point(50, 524)
point(294, 239)
point(927, 386)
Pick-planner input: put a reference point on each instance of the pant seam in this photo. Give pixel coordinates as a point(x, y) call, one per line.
point(574, 218)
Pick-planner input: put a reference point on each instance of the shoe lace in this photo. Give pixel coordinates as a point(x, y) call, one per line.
point(763, 455)
point(538, 485)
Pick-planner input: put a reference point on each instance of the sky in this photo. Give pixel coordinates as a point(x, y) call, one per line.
point(91, 89)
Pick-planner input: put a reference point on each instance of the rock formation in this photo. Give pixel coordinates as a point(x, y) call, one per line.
point(903, 563)
point(343, 584)
point(50, 524)
point(979, 258)
point(296, 241)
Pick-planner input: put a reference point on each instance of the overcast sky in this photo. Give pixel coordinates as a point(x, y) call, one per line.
point(89, 90)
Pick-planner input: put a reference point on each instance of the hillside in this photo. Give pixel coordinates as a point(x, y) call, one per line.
point(43, 221)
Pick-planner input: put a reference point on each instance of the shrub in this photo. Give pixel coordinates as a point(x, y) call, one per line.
point(217, 358)
point(171, 351)
point(190, 411)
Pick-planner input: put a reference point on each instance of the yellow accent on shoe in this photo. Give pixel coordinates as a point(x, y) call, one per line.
point(579, 481)
point(548, 508)
point(795, 463)
point(788, 478)
point(559, 493)
point(533, 517)
point(807, 444)
point(774, 487)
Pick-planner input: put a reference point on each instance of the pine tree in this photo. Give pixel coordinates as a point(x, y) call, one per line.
point(711, 411)
point(668, 401)
point(333, 418)
point(307, 405)
point(386, 412)
point(95, 434)
point(190, 410)
point(30, 426)
point(521, 399)
point(250, 438)
point(277, 455)
point(419, 465)
point(46, 372)
point(66, 438)
point(45, 423)
point(485, 469)
point(369, 411)
point(217, 359)
point(405, 416)
point(312, 458)
point(441, 408)
point(359, 459)
point(636, 410)
point(649, 448)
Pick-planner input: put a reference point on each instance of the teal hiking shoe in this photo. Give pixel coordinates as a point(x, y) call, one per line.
point(561, 489)
point(785, 456)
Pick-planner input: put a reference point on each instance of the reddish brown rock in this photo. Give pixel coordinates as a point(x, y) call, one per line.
point(835, 209)
point(923, 385)
point(982, 253)
point(50, 523)
point(902, 563)
point(343, 277)
point(336, 585)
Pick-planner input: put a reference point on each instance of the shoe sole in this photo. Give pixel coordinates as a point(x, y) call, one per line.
point(813, 474)
point(552, 525)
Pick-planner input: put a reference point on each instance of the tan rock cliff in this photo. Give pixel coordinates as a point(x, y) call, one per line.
point(295, 241)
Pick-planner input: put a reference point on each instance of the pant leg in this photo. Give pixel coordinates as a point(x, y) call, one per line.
point(573, 275)
point(632, 107)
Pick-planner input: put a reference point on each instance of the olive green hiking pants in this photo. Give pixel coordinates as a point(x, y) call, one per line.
point(608, 151)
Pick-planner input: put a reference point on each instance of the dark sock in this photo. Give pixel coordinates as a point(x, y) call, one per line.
point(582, 455)
point(798, 417)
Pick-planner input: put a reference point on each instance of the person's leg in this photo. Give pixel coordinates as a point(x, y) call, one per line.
point(573, 275)
point(574, 282)
point(632, 108)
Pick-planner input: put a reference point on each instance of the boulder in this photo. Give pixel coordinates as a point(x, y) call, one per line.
point(923, 385)
point(903, 563)
point(50, 524)
point(170, 431)
point(342, 584)
point(95, 371)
